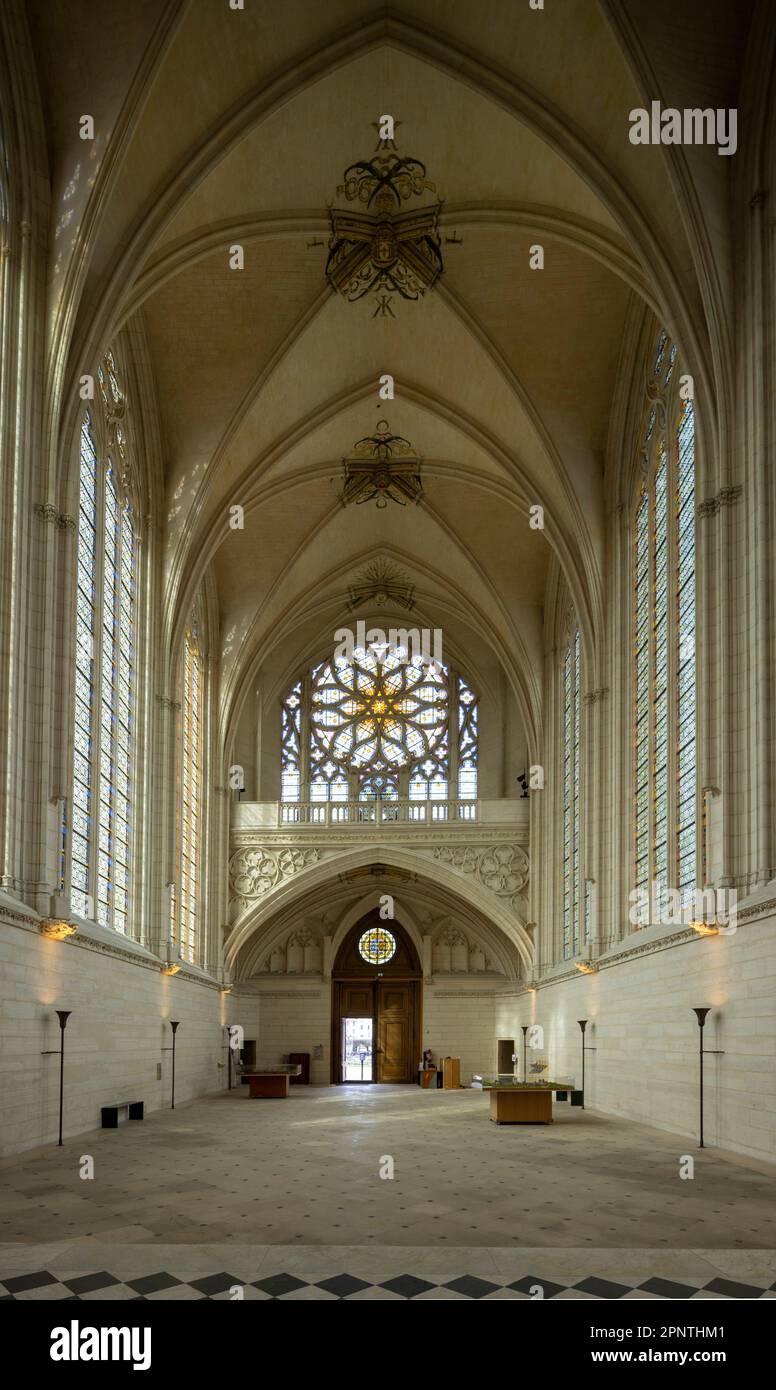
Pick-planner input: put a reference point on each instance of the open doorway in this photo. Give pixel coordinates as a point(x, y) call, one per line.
point(376, 1005)
point(506, 1051)
point(357, 1051)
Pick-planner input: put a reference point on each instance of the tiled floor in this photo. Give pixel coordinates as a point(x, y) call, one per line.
point(285, 1199)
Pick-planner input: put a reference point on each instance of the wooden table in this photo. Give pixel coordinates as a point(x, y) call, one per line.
point(517, 1105)
point(270, 1083)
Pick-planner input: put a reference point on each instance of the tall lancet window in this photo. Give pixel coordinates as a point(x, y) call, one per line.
point(664, 684)
point(102, 793)
point(572, 897)
point(186, 904)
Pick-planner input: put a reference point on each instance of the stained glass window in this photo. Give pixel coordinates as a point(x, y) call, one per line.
point(378, 725)
point(291, 743)
point(571, 846)
point(664, 700)
point(468, 740)
point(190, 802)
point(101, 812)
point(685, 767)
point(377, 946)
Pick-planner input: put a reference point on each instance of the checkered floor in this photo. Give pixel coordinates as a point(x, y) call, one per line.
point(164, 1286)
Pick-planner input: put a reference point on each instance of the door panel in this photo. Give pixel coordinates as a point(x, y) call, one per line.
point(357, 1001)
point(395, 1032)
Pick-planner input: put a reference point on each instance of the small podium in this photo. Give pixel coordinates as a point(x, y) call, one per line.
point(451, 1073)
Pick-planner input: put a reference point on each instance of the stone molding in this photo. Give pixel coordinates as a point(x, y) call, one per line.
point(472, 993)
point(411, 836)
point(23, 919)
point(594, 696)
point(747, 914)
point(106, 948)
point(648, 948)
point(287, 993)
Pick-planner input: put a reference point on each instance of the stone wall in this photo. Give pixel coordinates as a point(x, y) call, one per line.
point(462, 1025)
point(117, 1037)
point(296, 1019)
point(645, 1065)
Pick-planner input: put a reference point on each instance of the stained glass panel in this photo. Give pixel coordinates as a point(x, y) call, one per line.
point(365, 723)
point(186, 912)
point(377, 946)
point(664, 671)
point(104, 677)
point(571, 817)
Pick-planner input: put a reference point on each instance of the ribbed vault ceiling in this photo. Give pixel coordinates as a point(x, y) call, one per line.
point(216, 126)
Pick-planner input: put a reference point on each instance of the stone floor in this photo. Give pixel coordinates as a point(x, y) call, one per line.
point(285, 1199)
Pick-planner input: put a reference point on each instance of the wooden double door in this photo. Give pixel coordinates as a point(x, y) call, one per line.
point(394, 1007)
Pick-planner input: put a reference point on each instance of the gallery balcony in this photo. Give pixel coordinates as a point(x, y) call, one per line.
point(480, 845)
point(368, 816)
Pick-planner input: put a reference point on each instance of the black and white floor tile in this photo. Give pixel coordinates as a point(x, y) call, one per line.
point(163, 1285)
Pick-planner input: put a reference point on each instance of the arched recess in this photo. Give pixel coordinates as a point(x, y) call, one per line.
point(361, 909)
point(480, 899)
point(382, 998)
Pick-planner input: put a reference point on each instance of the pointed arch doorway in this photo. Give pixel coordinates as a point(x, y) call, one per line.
point(376, 1005)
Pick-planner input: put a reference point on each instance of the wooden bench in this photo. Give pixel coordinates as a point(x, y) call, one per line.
point(112, 1114)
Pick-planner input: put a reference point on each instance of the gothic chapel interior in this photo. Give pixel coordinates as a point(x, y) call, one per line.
point(388, 631)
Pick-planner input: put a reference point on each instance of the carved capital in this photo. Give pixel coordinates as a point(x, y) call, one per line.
point(46, 511)
point(726, 497)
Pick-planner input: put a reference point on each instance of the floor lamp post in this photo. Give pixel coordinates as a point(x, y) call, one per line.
point(175, 1026)
point(64, 1015)
point(700, 1014)
point(583, 1025)
point(525, 1027)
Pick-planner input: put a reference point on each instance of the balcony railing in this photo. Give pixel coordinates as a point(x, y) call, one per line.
point(356, 817)
point(376, 812)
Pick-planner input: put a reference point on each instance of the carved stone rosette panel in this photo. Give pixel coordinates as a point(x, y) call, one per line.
point(254, 872)
point(501, 868)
